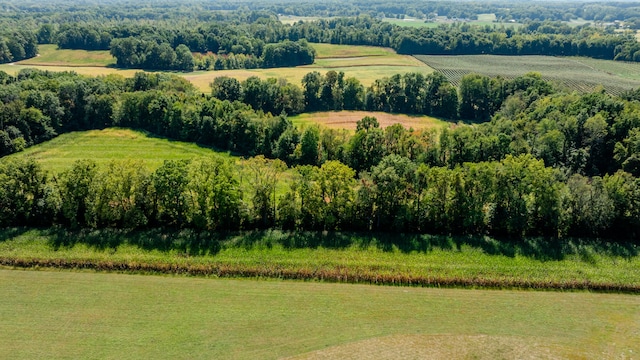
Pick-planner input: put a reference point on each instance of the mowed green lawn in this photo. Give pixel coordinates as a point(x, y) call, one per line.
point(105, 145)
point(82, 315)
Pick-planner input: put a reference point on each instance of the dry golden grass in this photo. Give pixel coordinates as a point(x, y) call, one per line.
point(82, 70)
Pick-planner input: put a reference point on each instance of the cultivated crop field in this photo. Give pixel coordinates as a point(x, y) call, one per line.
point(348, 120)
point(573, 73)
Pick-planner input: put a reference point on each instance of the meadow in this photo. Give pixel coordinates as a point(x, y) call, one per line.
point(366, 63)
point(103, 146)
point(50, 55)
point(399, 259)
point(85, 315)
point(579, 74)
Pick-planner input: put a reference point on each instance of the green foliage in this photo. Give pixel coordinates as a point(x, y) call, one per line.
point(170, 183)
point(76, 189)
point(215, 198)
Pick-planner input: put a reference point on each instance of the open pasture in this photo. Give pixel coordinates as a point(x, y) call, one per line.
point(86, 315)
point(348, 120)
point(365, 74)
point(365, 63)
point(571, 73)
point(50, 55)
point(105, 145)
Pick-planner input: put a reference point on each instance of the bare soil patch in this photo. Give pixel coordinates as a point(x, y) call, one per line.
point(348, 119)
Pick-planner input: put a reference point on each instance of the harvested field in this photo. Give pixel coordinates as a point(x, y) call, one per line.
point(348, 120)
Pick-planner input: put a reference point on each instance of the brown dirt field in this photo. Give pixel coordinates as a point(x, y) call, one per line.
point(438, 347)
point(348, 120)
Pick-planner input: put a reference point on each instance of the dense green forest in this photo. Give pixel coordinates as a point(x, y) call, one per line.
point(546, 163)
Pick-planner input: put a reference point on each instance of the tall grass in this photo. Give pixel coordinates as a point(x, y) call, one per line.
point(359, 258)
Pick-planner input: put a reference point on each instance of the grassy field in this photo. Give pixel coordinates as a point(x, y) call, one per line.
point(344, 257)
point(578, 74)
point(348, 119)
point(83, 315)
point(366, 63)
point(103, 146)
point(51, 55)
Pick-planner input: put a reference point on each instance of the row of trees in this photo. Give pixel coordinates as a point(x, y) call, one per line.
point(411, 93)
point(515, 197)
point(148, 54)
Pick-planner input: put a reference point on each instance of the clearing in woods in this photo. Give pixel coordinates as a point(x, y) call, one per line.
point(574, 73)
point(348, 120)
point(50, 55)
point(102, 146)
point(52, 314)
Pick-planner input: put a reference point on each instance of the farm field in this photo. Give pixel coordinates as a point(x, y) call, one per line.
point(82, 70)
point(105, 145)
point(483, 19)
point(366, 63)
point(348, 120)
point(86, 315)
point(573, 73)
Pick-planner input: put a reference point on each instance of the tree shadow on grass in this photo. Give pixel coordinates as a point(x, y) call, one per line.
point(11, 233)
point(188, 242)
point(201, 243)
point(538, 248)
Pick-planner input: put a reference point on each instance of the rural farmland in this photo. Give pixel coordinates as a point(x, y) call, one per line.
point(582, 75)
point(81, 315)
point(319, 180)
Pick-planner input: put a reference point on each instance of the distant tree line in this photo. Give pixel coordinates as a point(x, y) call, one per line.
point(206, 11)
point(239, 39)
point(534, 38)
